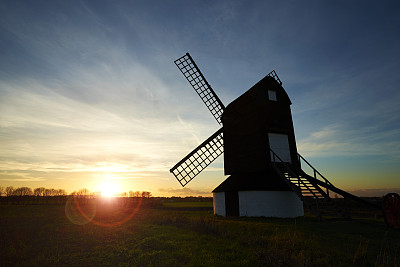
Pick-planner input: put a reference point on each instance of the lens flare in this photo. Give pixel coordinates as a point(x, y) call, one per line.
point(74, 214)
point(80, 211)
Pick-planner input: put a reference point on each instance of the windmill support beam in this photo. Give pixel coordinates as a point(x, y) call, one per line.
point(343, 193)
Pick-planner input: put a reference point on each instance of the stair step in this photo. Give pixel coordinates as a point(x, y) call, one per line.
point(309, 189)
point(299, 181)
point(312, 195)
point(303, 184)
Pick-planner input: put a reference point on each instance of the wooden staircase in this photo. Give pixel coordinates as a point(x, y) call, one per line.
point(313, 190)
point(316, 199)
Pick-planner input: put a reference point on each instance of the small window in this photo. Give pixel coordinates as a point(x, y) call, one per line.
point(272, 95)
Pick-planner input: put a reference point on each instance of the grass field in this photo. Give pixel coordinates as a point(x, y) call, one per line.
point(207, 204)
point(44, 235)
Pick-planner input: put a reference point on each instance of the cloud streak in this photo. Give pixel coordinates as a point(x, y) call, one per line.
point(337, 140)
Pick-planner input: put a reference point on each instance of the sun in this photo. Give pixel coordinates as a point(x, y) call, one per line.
point(108, 189)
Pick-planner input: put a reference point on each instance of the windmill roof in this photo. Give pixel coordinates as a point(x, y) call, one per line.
point(260, 181)
point(258, 93)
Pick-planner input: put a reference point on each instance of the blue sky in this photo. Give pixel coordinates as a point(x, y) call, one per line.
point(89, 91)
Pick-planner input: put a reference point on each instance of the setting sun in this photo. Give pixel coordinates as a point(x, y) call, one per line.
point(108, 189)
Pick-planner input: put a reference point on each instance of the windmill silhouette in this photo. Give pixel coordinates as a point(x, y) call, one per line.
point(260, 154)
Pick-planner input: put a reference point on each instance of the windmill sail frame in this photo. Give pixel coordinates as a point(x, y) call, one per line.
point(197, 160)
point(194, 76)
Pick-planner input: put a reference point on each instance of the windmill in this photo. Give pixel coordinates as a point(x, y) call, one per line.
point(260, 154)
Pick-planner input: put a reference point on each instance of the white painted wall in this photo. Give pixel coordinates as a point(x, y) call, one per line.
point(279, 143)
point(282, 204)
point(219, 203)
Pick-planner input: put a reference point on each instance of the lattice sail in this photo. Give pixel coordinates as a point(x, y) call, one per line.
point(196, 161)
point(192, 73)
point(275, 76)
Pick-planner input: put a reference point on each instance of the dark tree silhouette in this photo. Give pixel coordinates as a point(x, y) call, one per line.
point(9, 191)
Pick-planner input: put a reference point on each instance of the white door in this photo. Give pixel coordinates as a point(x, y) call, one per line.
point(279, 143)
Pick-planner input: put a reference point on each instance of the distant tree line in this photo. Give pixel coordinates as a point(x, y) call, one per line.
point(27, 191)
point(144, 194)
point(47, 192)
point(25, 195)
point(41, 195)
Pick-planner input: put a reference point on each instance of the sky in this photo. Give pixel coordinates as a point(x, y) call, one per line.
point(90, 94)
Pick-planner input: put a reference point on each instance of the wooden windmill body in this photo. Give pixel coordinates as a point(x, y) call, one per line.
point(258, 140)
point(254, 123)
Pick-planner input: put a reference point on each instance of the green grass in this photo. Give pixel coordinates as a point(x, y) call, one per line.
point(42, 235)
point(207, 204)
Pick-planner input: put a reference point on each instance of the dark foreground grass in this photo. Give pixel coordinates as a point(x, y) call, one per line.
point(43, 235)
point(188, 204)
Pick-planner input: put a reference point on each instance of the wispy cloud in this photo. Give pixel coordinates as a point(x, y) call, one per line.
point(338, 140)
point(18, 179)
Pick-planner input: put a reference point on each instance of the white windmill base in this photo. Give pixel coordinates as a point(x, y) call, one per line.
point(280, 204)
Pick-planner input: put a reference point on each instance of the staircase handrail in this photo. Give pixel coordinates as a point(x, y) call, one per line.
point(294, 187)
point(318, 182)
point(314, 170)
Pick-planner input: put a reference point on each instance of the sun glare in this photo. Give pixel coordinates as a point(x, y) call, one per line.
point(108, 189)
